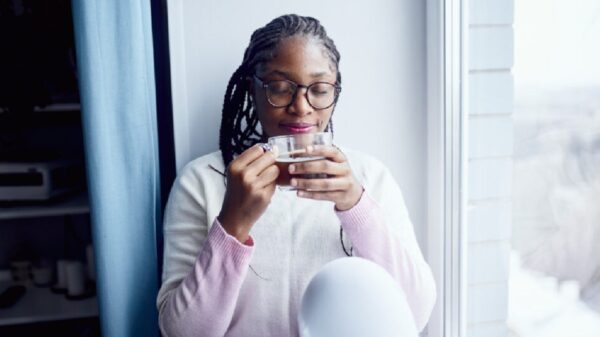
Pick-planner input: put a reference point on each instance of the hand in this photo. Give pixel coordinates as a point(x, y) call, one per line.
point(340, 186)
point(250, 185)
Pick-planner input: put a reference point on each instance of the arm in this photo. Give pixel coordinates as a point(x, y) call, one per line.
point(376, 220)
point(204, 302)
point(398, 253)
point(204, 270)
point(193, 299)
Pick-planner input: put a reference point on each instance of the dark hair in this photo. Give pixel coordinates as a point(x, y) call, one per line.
point(239, 120)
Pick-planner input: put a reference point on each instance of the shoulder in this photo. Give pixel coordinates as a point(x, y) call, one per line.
point(212, 162)
point(202, 170)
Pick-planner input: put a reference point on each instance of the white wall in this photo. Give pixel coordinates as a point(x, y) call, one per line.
point(382, 106)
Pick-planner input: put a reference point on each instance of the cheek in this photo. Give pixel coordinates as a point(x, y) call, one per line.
point(265, 113)
point(324, 118)
point(267, 118)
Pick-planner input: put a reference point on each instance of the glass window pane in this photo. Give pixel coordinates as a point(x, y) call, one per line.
point(554, 286)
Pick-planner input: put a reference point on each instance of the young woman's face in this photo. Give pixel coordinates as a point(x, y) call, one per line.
point(303, 61)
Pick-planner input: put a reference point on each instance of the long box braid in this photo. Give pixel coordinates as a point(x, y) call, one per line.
point(239, 121)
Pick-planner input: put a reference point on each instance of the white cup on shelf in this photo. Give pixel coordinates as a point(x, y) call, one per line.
point(75, 278)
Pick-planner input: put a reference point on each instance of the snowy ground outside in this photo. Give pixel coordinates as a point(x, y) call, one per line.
point(555, 268)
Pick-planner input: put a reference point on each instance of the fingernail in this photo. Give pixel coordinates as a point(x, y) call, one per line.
point(291, 168)
point(301, 193)
point(266, 147)
point(309, 149)
point(293, 182)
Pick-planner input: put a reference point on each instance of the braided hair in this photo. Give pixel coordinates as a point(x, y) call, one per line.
point(239, 120)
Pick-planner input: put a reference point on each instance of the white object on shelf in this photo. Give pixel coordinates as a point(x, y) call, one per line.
point(75, 278)
point(41, 305)
point(75, 204)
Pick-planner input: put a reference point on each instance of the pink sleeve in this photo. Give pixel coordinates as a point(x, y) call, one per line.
point(204, 302)
point(373, 239)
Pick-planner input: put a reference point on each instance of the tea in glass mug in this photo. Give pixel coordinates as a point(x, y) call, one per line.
point(292, 149)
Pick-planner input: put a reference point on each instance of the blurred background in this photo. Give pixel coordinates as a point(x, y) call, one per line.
point(555, 269)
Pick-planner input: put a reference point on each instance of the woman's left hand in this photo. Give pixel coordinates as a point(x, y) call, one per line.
point(340, 186)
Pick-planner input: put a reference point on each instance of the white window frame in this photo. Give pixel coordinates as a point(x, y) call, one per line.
point(447, 163)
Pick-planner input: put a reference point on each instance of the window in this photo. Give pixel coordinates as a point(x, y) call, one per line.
point(555, 273)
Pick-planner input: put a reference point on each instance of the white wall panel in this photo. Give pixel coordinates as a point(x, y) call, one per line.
point(382, 109)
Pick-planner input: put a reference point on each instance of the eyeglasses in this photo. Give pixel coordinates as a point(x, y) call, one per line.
point(281, 93)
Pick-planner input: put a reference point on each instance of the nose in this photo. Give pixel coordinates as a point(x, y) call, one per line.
point(300, 105)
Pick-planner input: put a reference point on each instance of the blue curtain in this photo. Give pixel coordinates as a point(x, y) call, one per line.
point(116, 80)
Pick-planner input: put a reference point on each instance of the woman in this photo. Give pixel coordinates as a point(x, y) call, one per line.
point(238, 251)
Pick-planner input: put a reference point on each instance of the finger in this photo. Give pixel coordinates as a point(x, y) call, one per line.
point(268, 176)
point(329, 195)
point(256, 160)
point(246, 157)
point(261, 163)
point(319, 166)
point(324, 184)
point(327, 151)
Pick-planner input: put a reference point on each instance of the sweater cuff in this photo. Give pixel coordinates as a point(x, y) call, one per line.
point(229, 245)
point(361, 215)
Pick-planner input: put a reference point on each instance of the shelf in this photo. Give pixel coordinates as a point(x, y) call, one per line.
point(42, 305)
point(59, 107)
point(70, 205)
point(54, 116)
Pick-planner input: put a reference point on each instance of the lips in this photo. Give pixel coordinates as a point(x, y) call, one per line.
point(298, 127)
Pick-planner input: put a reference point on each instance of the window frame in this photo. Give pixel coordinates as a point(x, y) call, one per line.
point(447, 118)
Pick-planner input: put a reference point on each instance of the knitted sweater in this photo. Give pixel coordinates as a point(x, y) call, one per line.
point(213, 285)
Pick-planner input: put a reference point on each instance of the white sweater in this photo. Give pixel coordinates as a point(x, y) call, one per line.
point(215, 286)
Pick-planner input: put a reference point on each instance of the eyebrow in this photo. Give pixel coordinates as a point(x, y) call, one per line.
point(287, 75)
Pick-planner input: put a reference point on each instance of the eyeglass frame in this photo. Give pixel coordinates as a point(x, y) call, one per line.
point(337, 90)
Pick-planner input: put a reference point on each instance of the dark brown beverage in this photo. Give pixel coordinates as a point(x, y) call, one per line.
point(284, 174)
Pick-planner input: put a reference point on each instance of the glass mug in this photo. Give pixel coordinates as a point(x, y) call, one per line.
point(292, 149)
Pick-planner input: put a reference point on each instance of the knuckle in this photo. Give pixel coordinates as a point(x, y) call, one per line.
point(233, 169)
point(246, 179)
point(302, 183)
point(255, 188)
point(345, 184)
point(263, 197)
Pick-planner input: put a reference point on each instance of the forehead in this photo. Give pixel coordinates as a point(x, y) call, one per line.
point(300, 57)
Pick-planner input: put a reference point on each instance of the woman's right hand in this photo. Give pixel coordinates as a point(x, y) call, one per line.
point(250, 185)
